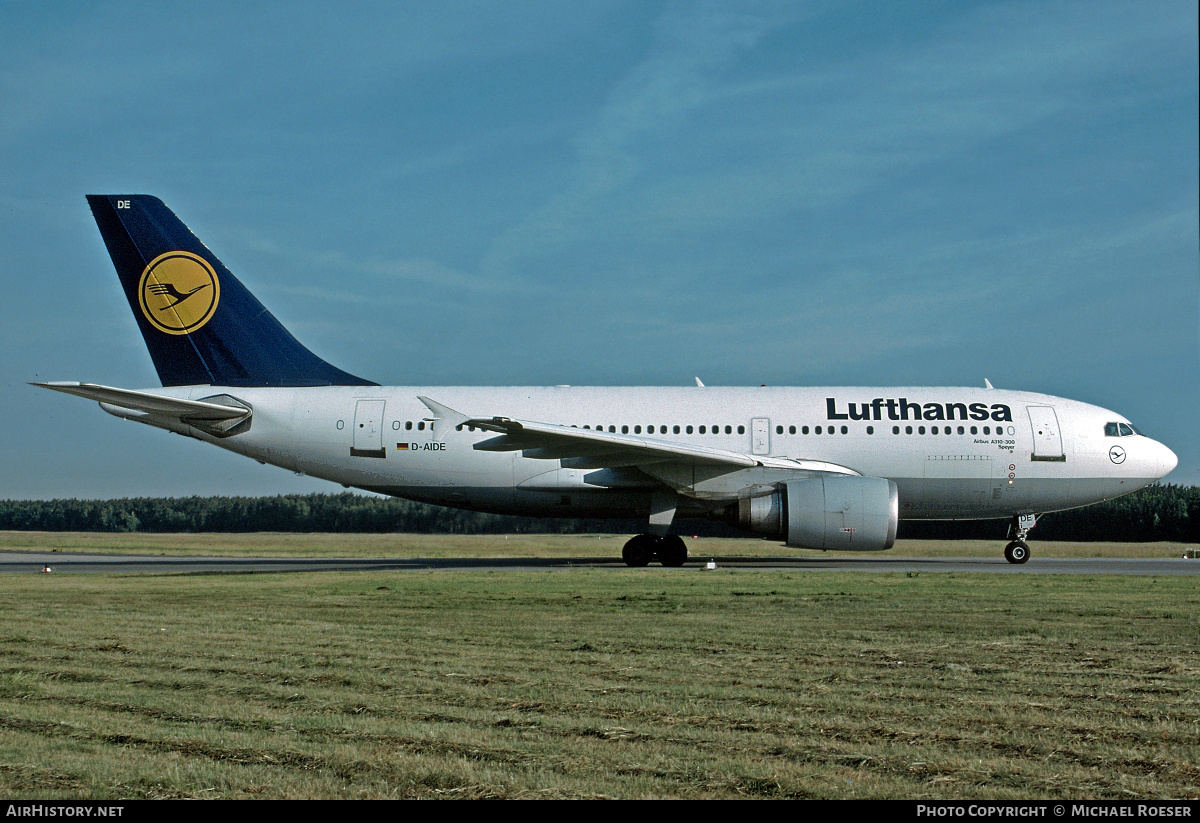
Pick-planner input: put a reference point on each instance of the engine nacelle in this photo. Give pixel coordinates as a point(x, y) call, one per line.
point(837, 512)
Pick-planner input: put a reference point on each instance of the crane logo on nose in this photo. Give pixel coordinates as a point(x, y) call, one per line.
point(179, 292)
point(1116, 454)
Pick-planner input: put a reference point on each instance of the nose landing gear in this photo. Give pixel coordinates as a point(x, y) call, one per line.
point(1018, 550)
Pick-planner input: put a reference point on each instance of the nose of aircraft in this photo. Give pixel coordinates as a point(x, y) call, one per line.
point(1165, 459)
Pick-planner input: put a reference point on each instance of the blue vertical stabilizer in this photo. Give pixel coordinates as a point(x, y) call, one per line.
point(200, 323)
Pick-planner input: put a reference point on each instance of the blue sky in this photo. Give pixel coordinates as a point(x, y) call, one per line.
point(824, 193)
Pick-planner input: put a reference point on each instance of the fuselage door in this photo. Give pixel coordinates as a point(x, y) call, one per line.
point(368, 429)
point(1047, 439)
point(760, 435)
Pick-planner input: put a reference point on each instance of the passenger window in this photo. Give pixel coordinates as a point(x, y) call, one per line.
point(817, 430)
point(870, 429)
point(637, 429)
point(741, 429)
point(845, 429)
point(804, 430)
point(676, 430)
point(408, 426)
point(729, 429)
point(791, 429)
point(688, 429)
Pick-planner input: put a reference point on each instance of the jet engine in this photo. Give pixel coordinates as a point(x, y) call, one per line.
point(838, 512)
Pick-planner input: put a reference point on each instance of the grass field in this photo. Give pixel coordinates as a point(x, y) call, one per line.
point(598, 683)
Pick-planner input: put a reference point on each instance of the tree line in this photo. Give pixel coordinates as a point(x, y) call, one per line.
point(344, 512)
point(1158, 512)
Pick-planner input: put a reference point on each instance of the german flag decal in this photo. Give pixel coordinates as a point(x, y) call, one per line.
point(401, 447)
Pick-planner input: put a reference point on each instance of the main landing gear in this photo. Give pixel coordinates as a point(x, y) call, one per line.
point(1018, 550)
point(670, 550)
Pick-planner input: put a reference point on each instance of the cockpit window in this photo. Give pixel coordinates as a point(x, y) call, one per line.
point(1119, 430)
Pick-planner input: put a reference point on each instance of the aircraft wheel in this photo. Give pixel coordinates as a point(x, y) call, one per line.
point(1016, 552)
point(639, 551)
point(672, 551)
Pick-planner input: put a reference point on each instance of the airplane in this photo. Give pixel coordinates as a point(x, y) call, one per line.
point(818, 468)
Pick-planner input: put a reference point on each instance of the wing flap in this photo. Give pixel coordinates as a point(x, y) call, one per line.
point(578, 448)
point(593, 449)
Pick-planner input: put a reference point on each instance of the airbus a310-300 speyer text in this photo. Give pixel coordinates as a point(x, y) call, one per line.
point(819, 468)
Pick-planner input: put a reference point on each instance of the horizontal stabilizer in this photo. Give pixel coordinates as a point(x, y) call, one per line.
point(189, 411)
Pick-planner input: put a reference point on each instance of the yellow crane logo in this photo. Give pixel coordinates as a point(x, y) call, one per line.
point(179, 292)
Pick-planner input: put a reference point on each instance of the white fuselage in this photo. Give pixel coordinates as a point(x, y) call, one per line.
point(954, 453)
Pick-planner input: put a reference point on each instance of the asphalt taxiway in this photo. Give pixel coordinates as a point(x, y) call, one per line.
point(74, 563)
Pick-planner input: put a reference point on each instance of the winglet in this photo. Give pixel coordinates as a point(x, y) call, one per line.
point(699, 384)
point(987, 382)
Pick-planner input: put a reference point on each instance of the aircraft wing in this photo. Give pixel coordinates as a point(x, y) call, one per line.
point(188, 411)
point(594, 449)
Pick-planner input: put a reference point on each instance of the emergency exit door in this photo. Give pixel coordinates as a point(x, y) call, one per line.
point(760, 436)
